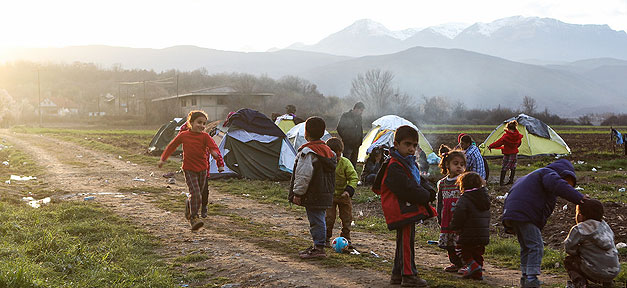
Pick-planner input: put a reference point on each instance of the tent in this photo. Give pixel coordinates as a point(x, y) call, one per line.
point(166, 133)
point(382, 134)
point(538, 139)
point(296, 135)
point(287, 122)
point(253, 147)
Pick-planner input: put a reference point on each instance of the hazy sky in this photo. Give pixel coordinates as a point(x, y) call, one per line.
point(254, 25)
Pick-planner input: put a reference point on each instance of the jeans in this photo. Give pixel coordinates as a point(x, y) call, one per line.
point(531, 247)
point(317, 225)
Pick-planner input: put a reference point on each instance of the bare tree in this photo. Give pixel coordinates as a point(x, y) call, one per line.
point(374, 88)
point(585, 120)
point(529, 105)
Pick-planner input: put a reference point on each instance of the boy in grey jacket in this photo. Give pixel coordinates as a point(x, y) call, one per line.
point(592, 255)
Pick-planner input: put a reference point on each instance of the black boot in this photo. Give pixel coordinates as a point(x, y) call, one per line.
point(502, 181)
point(511, 176)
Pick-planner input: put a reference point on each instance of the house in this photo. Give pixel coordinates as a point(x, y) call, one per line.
point(58, 107)
point(214, 101)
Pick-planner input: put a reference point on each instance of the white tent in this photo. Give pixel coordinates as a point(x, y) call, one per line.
point(382, 134)
point(296, 135)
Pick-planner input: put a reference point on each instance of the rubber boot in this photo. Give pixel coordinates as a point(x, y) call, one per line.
point(502, 180)
point(511, 176)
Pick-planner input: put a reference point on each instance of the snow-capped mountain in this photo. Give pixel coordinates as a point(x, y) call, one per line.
point(516, 38)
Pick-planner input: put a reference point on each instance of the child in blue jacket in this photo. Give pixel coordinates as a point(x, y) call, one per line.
point(529, 204)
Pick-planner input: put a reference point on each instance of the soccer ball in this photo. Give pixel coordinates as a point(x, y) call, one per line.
point(339, 244)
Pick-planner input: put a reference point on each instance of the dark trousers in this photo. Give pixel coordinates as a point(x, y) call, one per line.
point(351, 153)
point(343, 204)
point(404, 257)
point(573, 264)
point(473, 252)
point(205, 194)
point(454, 255)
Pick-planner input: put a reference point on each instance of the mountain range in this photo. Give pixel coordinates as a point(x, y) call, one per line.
point(593, 81)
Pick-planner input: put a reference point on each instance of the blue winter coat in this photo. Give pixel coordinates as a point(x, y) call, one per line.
point(532, 198)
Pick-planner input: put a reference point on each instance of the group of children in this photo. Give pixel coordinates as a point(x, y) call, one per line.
point(323, 181)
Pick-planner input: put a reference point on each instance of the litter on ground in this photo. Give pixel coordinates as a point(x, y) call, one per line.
point(22, 178)
point(594, 169)
point(621, 190)
point(88, 198)
point(374, 254)
point(36, 203)
point(579, 188)
point(139, 179)
point(5, 163)
point(621, 245)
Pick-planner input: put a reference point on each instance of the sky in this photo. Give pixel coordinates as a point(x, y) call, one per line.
point(253, 25)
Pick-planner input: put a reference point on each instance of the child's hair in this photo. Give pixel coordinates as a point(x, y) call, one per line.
point(465, 138)
point(405, 132)
point(315, 127)
point(469, 180)
point(193, 115)
point(446, 155)
point(591, 209)
point(336, 145)
point(511, 125)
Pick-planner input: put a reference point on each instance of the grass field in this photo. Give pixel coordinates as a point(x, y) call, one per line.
point(603, 184)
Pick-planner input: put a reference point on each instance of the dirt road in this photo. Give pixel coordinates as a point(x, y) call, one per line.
point(78, 170)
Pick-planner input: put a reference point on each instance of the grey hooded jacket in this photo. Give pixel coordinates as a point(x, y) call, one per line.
point(593, 242)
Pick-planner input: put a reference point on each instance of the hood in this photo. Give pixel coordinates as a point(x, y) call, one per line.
point(598, 232)
point(513, 135)
point(479, 198)
point(318, 147)
point(563, 167)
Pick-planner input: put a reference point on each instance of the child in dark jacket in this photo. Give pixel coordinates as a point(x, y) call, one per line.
point(471, 219)
point(452, 165)
point(592, 255)
point(529, 204)
point(372, 166)
point(509, 142)
point(405, 201)
point(313, 183)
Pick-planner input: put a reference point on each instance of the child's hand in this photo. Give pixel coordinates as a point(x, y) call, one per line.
point(221, 169)
point(161, 162)
point(345, 194)
point(296, 200)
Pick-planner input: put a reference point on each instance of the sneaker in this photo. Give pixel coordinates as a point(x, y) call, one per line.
point(203, 212)
point(477, 275)
point(316, 252)
point(196, 223)
point(532, 283)
point(452, 268)
point(472, 268)
point(306, 251)
point(396, 279)
point(188, 212)
point(463, 270)
point(569, 284)
point(413, 281)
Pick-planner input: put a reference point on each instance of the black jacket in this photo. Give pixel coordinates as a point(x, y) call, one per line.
point(471, 217)
point(350, 129)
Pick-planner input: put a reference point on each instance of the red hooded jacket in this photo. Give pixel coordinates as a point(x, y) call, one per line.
point(509, 142)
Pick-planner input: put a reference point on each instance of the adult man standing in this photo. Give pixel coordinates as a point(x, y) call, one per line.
point(351, 131)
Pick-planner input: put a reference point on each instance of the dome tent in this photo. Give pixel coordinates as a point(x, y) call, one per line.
point(382, 134)
point(538, 139)
point(254, 147)
point(296, 135)
point(164, 136)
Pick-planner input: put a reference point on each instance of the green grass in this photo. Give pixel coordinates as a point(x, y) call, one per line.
point(191, 258)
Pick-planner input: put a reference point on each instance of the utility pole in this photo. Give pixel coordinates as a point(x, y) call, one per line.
point(145, 104)
point(119, 100)
point(39, 96)
point(178, 101)
point(98, 100)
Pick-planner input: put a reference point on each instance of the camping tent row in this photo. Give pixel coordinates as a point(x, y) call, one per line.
point(538, 139)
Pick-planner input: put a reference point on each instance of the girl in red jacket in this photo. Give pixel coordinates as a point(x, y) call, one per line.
point(196, 143)
point(509, 142)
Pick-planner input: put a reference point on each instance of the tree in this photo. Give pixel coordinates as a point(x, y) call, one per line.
point(584, 120)
point(529, 105)
point(374, 88)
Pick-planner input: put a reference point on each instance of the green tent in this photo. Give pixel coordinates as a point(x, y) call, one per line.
point(166, 133)
point(538, 139)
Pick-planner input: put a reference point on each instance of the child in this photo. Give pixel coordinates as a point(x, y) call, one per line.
point(404, 201)
point(527, 207)
point(313, 183)
point(345, 183)
point(471, 219)
point(509, 142)
point(590, 248)
point(196, 143)
point(452, 164)
point(205, 189)
point(372, 166)
point(473, 155)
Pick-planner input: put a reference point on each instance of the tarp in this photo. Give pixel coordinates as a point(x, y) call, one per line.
point(296, 135)
point(382, 134)
point(255, 121)
point(253, 153)
point(533, 144)
point(164, 136)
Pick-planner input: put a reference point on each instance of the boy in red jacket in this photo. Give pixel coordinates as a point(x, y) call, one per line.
point(509, 142)
point(405, 201)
